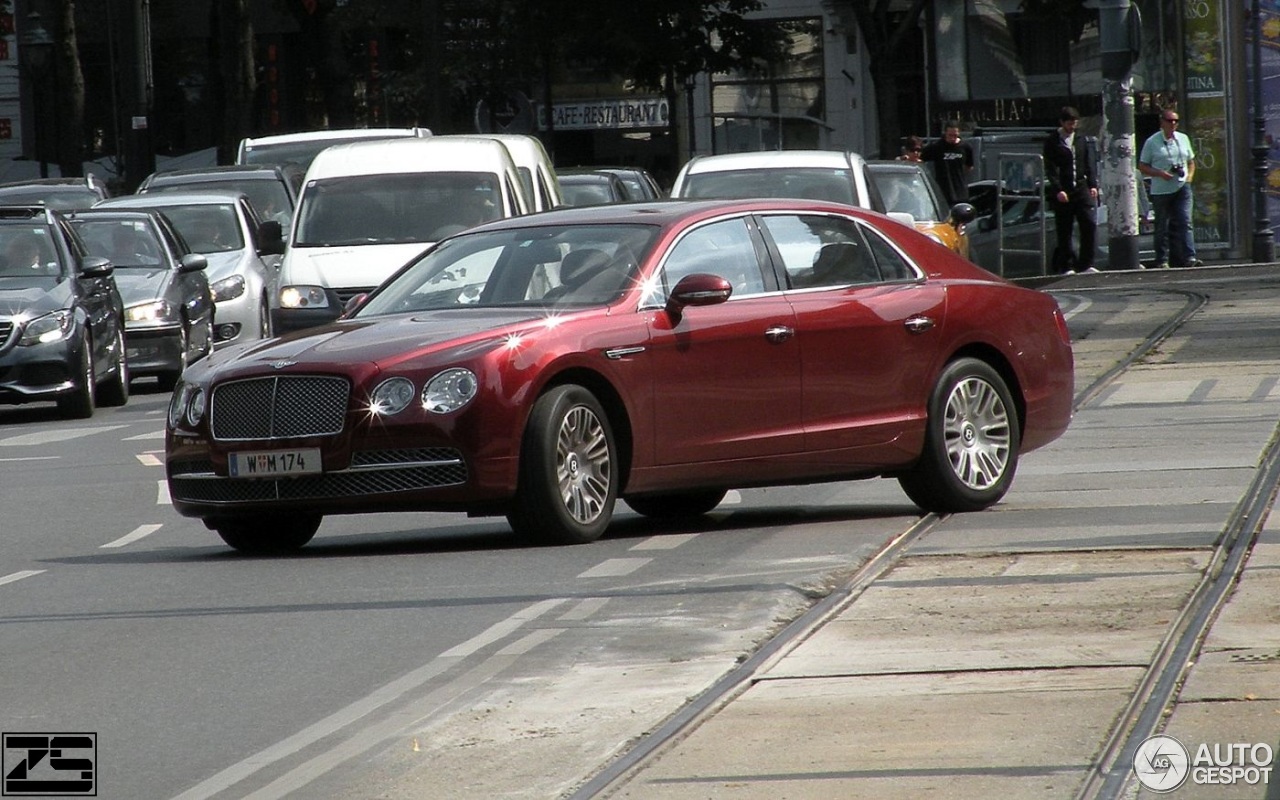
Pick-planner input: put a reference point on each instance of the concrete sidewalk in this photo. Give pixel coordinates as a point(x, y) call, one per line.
point(993, 661)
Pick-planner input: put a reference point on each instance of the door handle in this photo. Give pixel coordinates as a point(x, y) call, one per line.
point(918, 324)
point(779, 333)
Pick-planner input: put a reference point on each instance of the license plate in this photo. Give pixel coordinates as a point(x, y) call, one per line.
point(274, 463)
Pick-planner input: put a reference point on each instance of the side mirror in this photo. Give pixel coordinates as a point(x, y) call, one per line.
point(270, 238)
point(192, 262)
point(353, 305)
point(96, 267)
point(698, 289)
point(962, 214)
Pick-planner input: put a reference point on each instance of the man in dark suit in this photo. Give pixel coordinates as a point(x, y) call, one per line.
point(1072, 189)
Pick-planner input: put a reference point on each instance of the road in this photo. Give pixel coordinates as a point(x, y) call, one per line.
point(433, 655)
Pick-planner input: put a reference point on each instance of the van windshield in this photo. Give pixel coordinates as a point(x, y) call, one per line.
point(401, 207)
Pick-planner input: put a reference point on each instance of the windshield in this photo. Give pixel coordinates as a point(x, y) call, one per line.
point(811, 184)
point(211, 228)
point(125, 243)
point(268, 197)
point(27, 255)
point(560, 266)
point(401, 207)
point(908, 192)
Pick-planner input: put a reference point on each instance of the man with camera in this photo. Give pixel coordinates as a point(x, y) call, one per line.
point(1169, 160)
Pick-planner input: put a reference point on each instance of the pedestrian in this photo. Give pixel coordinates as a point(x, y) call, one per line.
point(1168, 158)
point(952, 162)
point(1072, 188)
point(911, 148)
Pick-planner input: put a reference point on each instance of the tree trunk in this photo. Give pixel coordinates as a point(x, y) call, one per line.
point(232, 74)
point(68, 106)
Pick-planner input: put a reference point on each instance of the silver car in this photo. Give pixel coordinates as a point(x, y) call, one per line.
point(243, 253)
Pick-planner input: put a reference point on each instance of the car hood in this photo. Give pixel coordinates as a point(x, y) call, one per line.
point(138, 285)
point(384, 342)
point(346, 267)
point(36, 300)
point(225, 264)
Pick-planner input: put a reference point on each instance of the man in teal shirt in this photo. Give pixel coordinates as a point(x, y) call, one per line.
point(1169, 160)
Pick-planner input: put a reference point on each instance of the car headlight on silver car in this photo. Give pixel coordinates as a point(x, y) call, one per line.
point(229, 288)
point(303, 297)
point(391, 397)
point(155, 311)
point(449, 391)
point(49, 328)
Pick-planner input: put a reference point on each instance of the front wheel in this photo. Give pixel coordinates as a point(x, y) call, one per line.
point(267, 534)
point(81, 401)
point(115, 392)
point(971, 443)
point(568, 470)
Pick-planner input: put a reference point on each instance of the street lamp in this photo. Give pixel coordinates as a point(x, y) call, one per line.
point(1264, 245)
point(36, 61)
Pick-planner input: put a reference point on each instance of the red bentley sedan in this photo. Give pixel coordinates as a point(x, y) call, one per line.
point(543, 367)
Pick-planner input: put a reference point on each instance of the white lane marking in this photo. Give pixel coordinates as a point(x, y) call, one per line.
point(59, 435)
point(148, 460)
point(664, 542)
point(583, 609)
point(31, 458)
point(615, 567)
point(17, 576)
point(530, 641)
point(349, 715)
point(129, 538)
point(501, 629)
point(162, 493)
point(1082, 304)
point(731, 497)
point(144, 436)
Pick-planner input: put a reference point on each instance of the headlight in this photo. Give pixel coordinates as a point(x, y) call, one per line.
point(228, 288)
point(158, 311)
point(303, 297)
point(449, 391)
point(49, 328)
point(177, 402)
point(391, 397)
point(195, 406)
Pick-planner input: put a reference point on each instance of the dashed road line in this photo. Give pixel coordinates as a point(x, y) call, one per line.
point(148, 460)
point(615, 567)
point(17, 576)
point(55, 435)
point(129, 538)
point(670, 542)
point(162, 493)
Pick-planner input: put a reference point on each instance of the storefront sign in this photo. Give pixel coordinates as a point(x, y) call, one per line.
point(608, 114)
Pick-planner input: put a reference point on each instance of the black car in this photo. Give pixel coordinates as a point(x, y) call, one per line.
point(168, 306)
point(62, 194)
point(272, 189)
point(61, 317)
point(590, 188)
point(640, 184)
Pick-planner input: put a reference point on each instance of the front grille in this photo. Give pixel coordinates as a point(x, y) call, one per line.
point(378, 472)
point(6, 330)
point(278, 407)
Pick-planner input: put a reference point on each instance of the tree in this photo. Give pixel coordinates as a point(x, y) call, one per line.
point(69, 141)
point(885, 26)
point(232, 79)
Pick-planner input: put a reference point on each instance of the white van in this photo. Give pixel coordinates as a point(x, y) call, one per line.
point(367, 208)
point(537, 175)
point(300, 148)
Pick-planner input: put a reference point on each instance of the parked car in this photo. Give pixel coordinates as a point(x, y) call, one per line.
point(168, 305)
point(302, 147)
point(273, 189)
point(911, 191)
point(836, 175)
point(61, 317)
point(640, 184)
point(62, 194)
point(543, 367)
point(589, 188)
point(243, 252)
point(369, 207)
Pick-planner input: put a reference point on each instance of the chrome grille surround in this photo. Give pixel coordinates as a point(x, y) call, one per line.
point(278, 407)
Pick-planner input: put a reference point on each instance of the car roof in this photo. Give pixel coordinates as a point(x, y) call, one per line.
point(667, 211)
point(433, 154)
point(335, 133)
point(170, 199)
point(251, 171)
point(842, 159)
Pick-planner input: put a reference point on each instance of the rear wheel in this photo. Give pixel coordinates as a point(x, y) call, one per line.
point(79, 404)
point(267, 534)
point(677, 505)
point(115, 391)
point(568, 461)
point(971, 444)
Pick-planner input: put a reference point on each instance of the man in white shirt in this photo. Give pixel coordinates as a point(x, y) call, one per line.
point(1170, 161)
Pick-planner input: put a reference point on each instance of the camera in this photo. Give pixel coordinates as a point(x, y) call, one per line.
point(1178, 171)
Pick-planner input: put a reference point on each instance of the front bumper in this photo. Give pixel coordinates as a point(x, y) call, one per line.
point(41, 371)
point(153, 350)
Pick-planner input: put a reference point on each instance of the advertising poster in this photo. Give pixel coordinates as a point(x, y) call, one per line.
point(1206, 110)
point(1270, 35)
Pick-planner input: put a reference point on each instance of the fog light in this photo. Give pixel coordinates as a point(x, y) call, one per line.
point(227, 331)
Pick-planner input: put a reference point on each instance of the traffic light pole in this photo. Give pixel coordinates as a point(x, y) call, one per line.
point(1119, 32)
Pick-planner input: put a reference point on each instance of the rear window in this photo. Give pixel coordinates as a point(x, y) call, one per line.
point(835, 185)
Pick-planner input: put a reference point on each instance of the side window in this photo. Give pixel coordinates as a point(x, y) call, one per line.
point(892, 265)
point(721, 248)
point(821, 250)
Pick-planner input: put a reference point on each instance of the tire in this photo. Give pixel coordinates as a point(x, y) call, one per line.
point(568, 470)
point(80, 403)
point(971, 443)
point(677, 505)
point(115, 391)
point(267, 534)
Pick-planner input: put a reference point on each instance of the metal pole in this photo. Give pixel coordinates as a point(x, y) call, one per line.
point(1264, 245)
